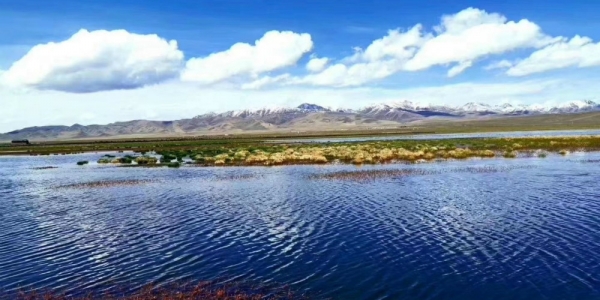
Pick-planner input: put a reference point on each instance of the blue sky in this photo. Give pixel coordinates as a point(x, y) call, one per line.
point(202, 28)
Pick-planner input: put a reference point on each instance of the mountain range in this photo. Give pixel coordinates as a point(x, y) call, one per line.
point(305, 117)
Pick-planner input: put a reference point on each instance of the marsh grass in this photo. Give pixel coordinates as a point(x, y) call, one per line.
point(146, 160)
point(381, 152)
point(587, 161)
point(369, 175)
point(177, 291)
point(105, 184)
point(238, 177)
point(44, 168)
point(358, 153)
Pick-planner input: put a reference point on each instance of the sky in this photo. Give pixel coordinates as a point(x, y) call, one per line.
point(95, 62)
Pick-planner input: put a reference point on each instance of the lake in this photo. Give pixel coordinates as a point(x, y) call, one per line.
point(529, 231)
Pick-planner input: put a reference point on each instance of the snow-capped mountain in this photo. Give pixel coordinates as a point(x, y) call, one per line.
point(407, 110)
point(575, 106)
point(307, 107)
point(478, 109)
point(304, 117)
point(263, 112)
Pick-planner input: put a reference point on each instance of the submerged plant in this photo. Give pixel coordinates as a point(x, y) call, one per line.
point(146, 160)
point(103, 184)
point(104, 161)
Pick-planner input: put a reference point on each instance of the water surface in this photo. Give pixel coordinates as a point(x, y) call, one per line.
point(526, 233)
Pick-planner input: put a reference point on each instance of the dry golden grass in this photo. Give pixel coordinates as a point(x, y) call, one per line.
point(359, 153)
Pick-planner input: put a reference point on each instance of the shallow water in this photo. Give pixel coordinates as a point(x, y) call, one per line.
point(508, 134)
point(523, 233)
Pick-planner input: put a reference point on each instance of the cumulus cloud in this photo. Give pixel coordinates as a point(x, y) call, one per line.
point(91, 61)
point(317, 64)
point(266, 80)
point(459, 68)
point(275, 50)
point(340, 75)
point(502, 64)
point(459, 40)
point(108, 60)
point(382, 58)
point(396, 44)
point(578, 52)
point(472, 34)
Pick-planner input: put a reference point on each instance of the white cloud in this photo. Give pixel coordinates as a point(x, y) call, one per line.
point(275, 50)
point(460, 39)
point(340, 75)
point(95, 61)
point(266, 80)
point(396, 44)
point(472, 34)
point(459, 68)
point(578, 52)
point(382, 58)
point(317, 64)
point(502, 64)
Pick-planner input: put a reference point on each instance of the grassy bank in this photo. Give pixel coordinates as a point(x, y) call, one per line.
point(378, 152)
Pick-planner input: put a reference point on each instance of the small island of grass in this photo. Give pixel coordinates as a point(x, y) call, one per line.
point(358, 153)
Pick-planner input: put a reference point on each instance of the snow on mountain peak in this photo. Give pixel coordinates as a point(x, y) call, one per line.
point(476, 108)
point(311, 107)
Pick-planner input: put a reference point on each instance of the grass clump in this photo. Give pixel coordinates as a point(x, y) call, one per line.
point(174, 165)
point(125, 160)
point(146, 160)
point(258, 153)
point(44, 168)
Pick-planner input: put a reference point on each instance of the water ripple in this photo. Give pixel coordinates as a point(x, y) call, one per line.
point(490, 229)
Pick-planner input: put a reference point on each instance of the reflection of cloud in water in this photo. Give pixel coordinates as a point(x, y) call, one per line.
point(443, 234)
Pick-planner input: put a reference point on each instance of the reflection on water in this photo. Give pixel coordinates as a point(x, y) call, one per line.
point(520, 233)
point(511, 134)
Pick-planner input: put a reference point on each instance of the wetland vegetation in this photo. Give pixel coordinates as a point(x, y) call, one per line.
point(206, 290)
point(368, 175)
point(374, 152)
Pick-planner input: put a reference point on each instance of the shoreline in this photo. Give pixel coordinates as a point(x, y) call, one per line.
point(357, 153)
